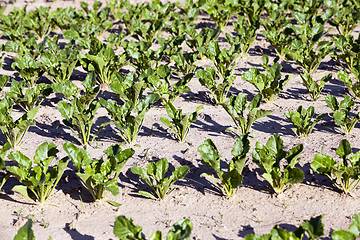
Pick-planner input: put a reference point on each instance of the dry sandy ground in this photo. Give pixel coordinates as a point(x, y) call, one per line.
point(253, 209)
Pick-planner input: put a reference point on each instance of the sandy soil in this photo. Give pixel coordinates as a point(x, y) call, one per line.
point(253, 209)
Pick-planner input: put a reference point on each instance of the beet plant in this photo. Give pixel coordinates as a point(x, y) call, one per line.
point(306, 48)
point(343, 174)
point(79, 113)
point(353, 232)
point(221, 11)
point(199, 42)
point(142, 57)
point(185, 63)
point(159, 83)
point(28, 98)
point(346, 15)
point(12, 23)
point(353, 86)
point(40, 180)
point(103, 61)
point(231, 180)
point(125, 229)
point(269, 84)
point(311, 229)
point(224, 59)
point(302, 120)
point(243, 118)
point(269, 157)
point(341, 112)
point(128, 118)
point(154, 176)
point(155, 15)
point(348, 51)
point(28, 68)
point(180, 124)
point(99, 175)
point(14, 130)
point(59, 64)
point(209, 79)
point(314, 87)
point(38, 22)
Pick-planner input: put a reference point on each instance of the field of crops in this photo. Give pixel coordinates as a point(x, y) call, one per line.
point(218, 119)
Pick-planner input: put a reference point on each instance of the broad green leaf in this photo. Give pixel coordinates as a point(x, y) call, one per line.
point(125, 229)
point(25, 232)
point(342, 235)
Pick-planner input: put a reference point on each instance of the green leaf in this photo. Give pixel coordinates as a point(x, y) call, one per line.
point(147, 194)
point(180, 230)
point(344, 149)
point(25, 232)
point(314, 227)
point(125, 229)
point(113, 203)
point(354, 228)
point(322, 163)
point(23, 190)
point(342, 235)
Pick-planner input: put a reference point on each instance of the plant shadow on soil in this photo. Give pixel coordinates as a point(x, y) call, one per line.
point(207, 124)
point(75, 235)
point(273, 125)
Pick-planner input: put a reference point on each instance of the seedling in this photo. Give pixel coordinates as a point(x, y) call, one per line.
point(209, 80)
point(269, 85)
point(341, 112)
point(125, 229)
point(268, 157)
point(154, 176)
point(99, 175)
point(231, 180)
point(181, 124)
point(344, 174)
point(243, 120)
point(312, 229)
point(39, 180)
point(314, 87)
point(301, 119)
point(15, 130)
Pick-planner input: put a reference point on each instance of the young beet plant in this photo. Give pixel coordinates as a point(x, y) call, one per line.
point(15, 130)
point(79, 114)
point(306, 49)
point(268, 157)
point(353, 86)
point(103, 61)
point(181, 124)
point(344, 174)
point(314, 87)
point(159, 83)
point(242, 118)
point(99, 175)
point(341, 112)
point(125, 229)
point(301, 119)
point(39, 180)
point(209, 77)
point(269, 85)
point(154, 176)
point(129, 117)
point(231, 180)
point(311, 230)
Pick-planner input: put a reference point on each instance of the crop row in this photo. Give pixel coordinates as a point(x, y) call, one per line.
point(100, 175)
point(309, 229)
